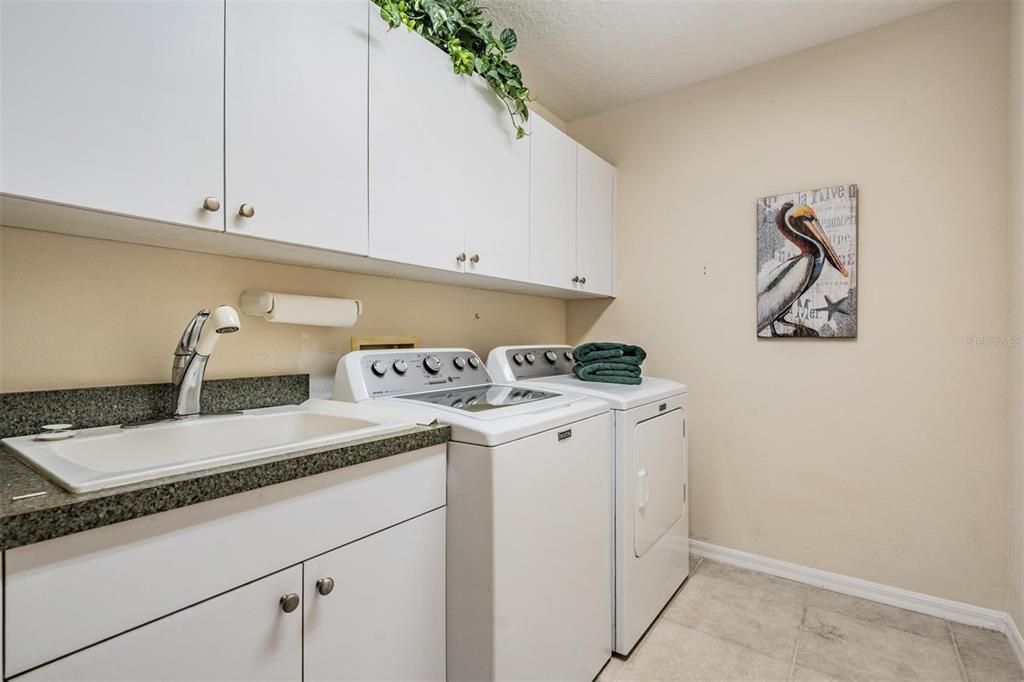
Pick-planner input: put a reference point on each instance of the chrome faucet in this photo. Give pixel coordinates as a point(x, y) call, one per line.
point(192, 354)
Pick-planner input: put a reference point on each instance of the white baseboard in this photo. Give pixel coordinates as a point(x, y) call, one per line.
point(957, 612)
point(1016, 641)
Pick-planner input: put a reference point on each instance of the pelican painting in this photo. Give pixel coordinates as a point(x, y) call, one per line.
point(807, 257)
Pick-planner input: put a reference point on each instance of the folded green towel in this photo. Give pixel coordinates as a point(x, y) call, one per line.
point(610, 372)
point(604, 350)
point(631, 360)
point(606, 366)
point(596, 355)
point(608, 376)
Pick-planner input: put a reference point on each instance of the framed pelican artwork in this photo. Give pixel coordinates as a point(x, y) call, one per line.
point(807, 264)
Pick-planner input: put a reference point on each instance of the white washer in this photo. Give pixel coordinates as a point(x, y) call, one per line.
point(529, 559)
point(652, 557)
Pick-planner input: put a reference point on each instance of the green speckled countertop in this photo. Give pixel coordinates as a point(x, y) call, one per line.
point(27, 517)
point(58, 512)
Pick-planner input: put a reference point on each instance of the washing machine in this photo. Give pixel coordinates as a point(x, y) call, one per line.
point(529, 536)
point(651, 509)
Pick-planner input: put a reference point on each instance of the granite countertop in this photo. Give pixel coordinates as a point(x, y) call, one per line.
point(33, 509)
point(27, 517)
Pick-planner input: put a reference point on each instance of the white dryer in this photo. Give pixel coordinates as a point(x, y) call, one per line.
point(529, 544)
point(651, 543)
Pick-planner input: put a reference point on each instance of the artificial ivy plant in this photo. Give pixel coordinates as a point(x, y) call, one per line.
point(460, 28)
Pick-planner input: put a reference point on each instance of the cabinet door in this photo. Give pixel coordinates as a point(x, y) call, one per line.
point(116, 106)
point(552, 205)
point(595, 222)
point(385, 617)
point(419, 169)
point(240, 635)
point(497, 198)
point(295, 127)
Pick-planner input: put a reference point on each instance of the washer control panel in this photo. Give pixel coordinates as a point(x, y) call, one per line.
point(416, 371)
point(535, 362)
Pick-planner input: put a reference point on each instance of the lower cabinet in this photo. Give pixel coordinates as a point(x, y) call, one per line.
point(241, 635)
point(375, 609)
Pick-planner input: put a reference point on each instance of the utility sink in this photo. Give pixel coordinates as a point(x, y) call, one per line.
point(93, 459)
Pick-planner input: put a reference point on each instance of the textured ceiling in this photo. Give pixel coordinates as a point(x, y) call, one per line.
point(580, 57)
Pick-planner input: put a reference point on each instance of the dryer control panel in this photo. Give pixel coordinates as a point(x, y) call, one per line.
point(381, 373)
point(516, 363)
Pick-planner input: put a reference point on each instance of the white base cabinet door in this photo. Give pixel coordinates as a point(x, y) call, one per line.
point(295, 126)
point(115, 106)
point(244, 634)
point(384, 618)
point(595, 222)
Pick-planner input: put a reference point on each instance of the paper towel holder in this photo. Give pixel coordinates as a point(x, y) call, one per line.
point(259, 303)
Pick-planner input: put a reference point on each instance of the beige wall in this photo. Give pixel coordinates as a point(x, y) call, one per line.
point(885, 457)
point(86, 312)
point(1016, 193)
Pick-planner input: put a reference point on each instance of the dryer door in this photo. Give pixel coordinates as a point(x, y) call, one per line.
point(660, 499)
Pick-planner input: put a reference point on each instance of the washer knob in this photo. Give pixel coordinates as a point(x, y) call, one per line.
point(474, 362)
point(517, 358)
point(460, 363)
point(550, 356)
point(568, 356)
point(400, 366)
point(379, 367)
point(432, 364)
point(531, 358)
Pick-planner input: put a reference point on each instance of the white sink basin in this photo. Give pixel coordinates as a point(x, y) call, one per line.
point(109, 456)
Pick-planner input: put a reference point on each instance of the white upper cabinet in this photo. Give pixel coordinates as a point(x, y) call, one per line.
point(304, 123)
point(449, 183)
point(295, 153)
point(552, 205)
point(497, 198)
point(595, 223)
point(418, 171)
point(116, 106)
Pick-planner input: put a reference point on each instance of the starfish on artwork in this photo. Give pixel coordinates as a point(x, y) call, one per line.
point(834, 307)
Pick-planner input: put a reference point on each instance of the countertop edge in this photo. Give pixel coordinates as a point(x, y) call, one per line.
point(18, 529)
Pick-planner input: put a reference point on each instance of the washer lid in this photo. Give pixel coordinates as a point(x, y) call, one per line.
point(499, 424)
point(482, 398)
point(618, 396)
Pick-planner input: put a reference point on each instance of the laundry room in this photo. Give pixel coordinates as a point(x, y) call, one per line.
point(511, 340)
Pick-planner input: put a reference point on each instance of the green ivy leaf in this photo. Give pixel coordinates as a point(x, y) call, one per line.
point(509, 39)
point(460, 28)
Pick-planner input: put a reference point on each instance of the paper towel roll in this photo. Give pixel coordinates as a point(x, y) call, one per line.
point(296, 309)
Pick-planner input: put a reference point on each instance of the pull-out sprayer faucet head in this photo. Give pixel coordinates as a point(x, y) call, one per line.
point(223, 320)
point(192, 353)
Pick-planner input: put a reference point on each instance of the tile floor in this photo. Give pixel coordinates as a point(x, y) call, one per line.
point(728, 623)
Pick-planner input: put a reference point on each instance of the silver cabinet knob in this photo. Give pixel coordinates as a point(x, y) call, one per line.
point(289, 602)
point(246, 211)
point(576, 279)
point(211, 204)
point(583, 280)
point(475, 258)
point(325, 586)
point(461, 258)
